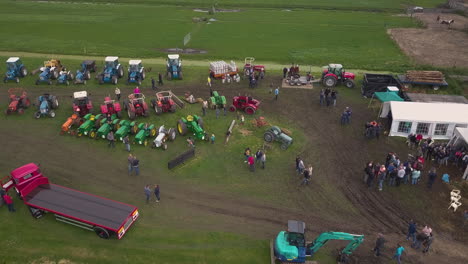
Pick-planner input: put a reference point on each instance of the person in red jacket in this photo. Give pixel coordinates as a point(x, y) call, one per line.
point(9, 202)
point(251, 162)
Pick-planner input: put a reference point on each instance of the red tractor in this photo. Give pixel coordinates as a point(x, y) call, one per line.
point(82, 105)
point(18, 101)
point(244, 103)
point(163, 103)
point(334, 73)
point(111, 107)
point(250, 68)
point(135, 106)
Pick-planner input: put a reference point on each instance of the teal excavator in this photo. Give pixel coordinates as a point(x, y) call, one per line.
point(291, 247)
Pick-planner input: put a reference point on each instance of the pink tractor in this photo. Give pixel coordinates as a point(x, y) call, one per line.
point(82, 105)
point(334, 73)
point(111, 107)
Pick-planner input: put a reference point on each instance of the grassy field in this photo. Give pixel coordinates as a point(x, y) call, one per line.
point(355, 39)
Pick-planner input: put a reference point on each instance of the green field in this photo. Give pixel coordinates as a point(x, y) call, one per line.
point(312, 37)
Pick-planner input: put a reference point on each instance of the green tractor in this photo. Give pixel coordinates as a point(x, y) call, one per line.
point(193, 124)
point(275, 133)
point(107, 126)
point(217, 101)
point(145, 131)
point(125, 128)
point(90, 125)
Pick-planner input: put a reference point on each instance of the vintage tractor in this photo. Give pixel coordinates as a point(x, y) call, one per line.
point(163, 136)
point(145, 131)
point(53, 67)
point(82, 105)
point(217, 101)
point(15, 70)
point(334, 73)
point(91, 123)
point(136, 106)
point(71, 124)
point(46, 104)
point(275, 133)
point(112, 71)
point(244, 103)
point(163, 103)
point(136, 72)
point(250, 68)
point(125, 128)
point(108, 126)
point(19, 101)
point(45, 76)
point(65, 77)
point(174, 67)
point(111, 107)
point(84, 74)
point(194, 124)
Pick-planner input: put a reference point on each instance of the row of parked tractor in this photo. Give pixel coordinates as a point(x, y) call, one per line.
point(112, 71)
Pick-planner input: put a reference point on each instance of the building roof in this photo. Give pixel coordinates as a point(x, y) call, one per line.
point(134, 62)
point(430, 112)
point(111, 58)
point(441, 98)
point(463, 131)
point(388, 96)
point(13, 59)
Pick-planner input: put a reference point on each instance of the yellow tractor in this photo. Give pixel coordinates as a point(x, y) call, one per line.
point(54, 66)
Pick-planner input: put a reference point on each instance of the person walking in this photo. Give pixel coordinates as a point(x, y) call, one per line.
point(399, 251)
point(147, 193)
point(208, 82)
point(381, 176)
point(415, 176)
point(301, 166)
point(204, 107)
point(400, 175)
point(276, 93)
point(322, 96)
point(9, 202)
point(130, 163)
point(242, 119)
point(212, 138)
point(153, 84)
point(263, 160)
point(427, 243)
point(258, 155)
point(333, 96)
point(117, 93)
point(327, 96)
point(305, 181)
point(111, 139)
point(217, 112)
point(431, 178)
point(411, 231)
point(285, 72)
point(157, 193)
point(419, 239)
point(379, 244)
point(190, 142)
point(368, 170)
point(126, 141)
point(160, 79)
point(251, 162)
point(136, 165)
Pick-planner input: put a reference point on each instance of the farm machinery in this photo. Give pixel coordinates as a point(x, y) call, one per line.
point(15, 70)
point(82, 105)
point(244, 103)
point(275, 133)
point(45, 76)
point(112, 71)
point(163, 136)
point(217, 101)
point(19, 101)
point(334, 74)
point(46, 104)
point(174, 67)
point(165, 102)
point(65, 77)
point(136, 72)
point(90, 124)
point(69, 126)
point(194, 124)
point(136, 106)
point(125, 128)
point(145, 131)
point(50, 71)
point(111, 107)
point(84, 74)
point(223, 70)
point(107, 125)
point(291, 247)
point(250, 68)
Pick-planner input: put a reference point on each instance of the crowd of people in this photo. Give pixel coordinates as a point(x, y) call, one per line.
point(252, 159)
point(328, 97)
point(302, 170)
point(373, 130)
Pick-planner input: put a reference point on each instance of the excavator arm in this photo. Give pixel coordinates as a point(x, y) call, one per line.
point(355, 241)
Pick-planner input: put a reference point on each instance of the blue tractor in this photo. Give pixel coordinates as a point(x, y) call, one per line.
point(45, 76)
point(46, 104)
point(65, 77)
point(136, 72)
point(84, 74)
point(112, 71)
point(174, 67)
point(15, 70)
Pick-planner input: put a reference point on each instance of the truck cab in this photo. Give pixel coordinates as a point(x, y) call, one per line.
point(21, 178)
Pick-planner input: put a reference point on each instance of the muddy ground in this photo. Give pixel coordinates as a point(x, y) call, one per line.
point(437, 44)
point(338, 155)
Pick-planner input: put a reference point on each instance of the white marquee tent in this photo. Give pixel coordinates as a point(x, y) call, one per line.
point(436, 120)
point(460, 137)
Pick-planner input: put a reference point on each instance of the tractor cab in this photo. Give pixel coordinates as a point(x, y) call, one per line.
point(173, 60)
point(88, 65)
point(334, 74)
point(111, 62)
point(21, 177)
point(13, 63)
point(336, 69)
point(174, 67)
point(81, 103)
point(295, 233)
point(135, 66)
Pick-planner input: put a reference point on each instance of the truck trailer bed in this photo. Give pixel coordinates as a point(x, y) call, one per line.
point(86, 207)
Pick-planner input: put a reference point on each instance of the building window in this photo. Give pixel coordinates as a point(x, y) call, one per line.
point(441, 129)
point(404, 127)
point(422, 128)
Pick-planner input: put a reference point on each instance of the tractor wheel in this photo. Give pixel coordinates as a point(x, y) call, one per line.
point(284, 146)
point(131, 115)
point(329, 81)
point(164, 146)
point(153, 145)
point(172, 134)
point(145, 113)
point(37, 82)
point(7, 111)
point(173, 109)
point(153, 103)
point(268, 137)
point(143, 75)
point(169, 76)
point(200, 122)
point(153, 132)
point(181, 76)
point(87, 75)
point(121, 72)
point(101, 232)
point(232, 108)
point(158, 110)
point(349, 83)
point(114, 79)
point(17, 80)
point(37, 114)
point(92, 134)
point(249, 110)
point(79, 134)
point(26, 103)
point(23, 72)
point(51, 113)
point(181, 127)
point(55, 103)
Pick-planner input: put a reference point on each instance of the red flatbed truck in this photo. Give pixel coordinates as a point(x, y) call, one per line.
point(101, 215)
